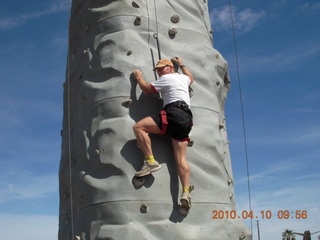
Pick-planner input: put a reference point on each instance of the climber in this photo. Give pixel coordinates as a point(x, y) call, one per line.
point(175, 119)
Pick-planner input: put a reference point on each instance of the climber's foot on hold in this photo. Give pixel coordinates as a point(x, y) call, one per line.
point(185, 201)
point(148, 168)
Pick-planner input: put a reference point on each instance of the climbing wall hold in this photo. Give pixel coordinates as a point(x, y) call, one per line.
point(127, 103)
point(191, 92)
point(135, 5)
point(173, 31)
point(175, 18)
point(183, 211)
point(144, 208)
point(73, 162)
point(129, 53)
point(67, 221)
point(97, 151)
point(229, 181)
point(66, 195)
point(242, 236)
point(138, 181)
point(231, 196)
point(190, 143)
point(137, 21)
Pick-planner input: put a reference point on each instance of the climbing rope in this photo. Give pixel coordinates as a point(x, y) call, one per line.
point(69, 137)
point(149, 36)
point(242, 111)
point(148, 22)
point(157, 35)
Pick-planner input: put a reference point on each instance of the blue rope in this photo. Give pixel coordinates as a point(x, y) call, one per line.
point(242, 111)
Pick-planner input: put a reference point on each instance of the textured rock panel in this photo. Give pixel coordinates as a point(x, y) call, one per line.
point(99, 198)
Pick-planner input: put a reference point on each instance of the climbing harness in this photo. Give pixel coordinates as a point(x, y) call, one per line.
point(242, 111)
point(164, 122)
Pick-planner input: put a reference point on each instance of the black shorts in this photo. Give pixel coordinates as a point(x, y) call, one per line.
point(179, 119)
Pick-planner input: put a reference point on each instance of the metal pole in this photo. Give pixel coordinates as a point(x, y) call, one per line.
point(258, 230)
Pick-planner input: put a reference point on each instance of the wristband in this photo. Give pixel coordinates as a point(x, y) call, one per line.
point(182, 66)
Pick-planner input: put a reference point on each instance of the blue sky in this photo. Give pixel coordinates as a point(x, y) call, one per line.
point(278, 43)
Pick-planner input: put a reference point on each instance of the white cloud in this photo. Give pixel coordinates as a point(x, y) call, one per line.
point(244, 20)
point(60, 41)
point(9, 23)
point(17, 184)
point(28, 227)
point(269, 173)
point(282, 185)
point(280, 3)
point(288, 58)
point(220, 18)
point(309, 7)
point(291, 137)
point(14, 21)
point(278, 193)
point(307, 109)
point(23, 111)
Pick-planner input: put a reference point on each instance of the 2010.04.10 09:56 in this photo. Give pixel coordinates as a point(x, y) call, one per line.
point(281, 214)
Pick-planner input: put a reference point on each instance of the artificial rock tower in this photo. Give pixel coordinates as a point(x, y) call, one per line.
point(99, 196)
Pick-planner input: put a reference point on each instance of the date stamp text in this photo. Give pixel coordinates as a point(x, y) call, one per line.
point(268, 214)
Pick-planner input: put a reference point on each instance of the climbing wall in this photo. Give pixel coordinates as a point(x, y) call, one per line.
point(99, 197)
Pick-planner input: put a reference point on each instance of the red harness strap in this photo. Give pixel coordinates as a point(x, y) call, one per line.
point(164, 121)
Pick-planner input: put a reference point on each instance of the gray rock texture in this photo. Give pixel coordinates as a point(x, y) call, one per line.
point(99, 197)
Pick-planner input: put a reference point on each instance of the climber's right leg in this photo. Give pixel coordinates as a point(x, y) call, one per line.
point(142, 129)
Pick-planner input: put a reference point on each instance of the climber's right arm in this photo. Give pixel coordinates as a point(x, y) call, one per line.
point(145, 87)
